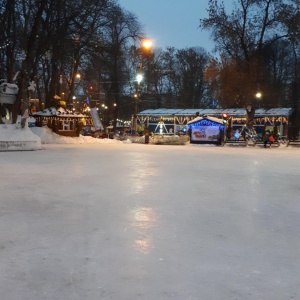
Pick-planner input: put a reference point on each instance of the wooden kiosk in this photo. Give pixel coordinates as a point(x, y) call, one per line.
point(207, 130)
point(62, 122)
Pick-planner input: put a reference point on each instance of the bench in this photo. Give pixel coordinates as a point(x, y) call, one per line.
point(240, 142)
point(293, 143)
point(261, 143)
point(283, 140)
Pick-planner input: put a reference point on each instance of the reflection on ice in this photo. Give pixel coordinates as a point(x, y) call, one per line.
point(143, 220)
point(140, 173)
point(144, 217)
point(143, 245)
point(140, 179)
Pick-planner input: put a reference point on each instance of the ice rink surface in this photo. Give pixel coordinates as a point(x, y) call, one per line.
point(132, 221)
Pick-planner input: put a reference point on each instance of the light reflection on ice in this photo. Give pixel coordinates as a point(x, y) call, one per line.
point(143, 245)
point(143, 220)
point(141, 173)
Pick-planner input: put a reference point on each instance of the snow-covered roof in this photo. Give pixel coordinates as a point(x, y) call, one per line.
point(197, 119)
point(237, 112)
point(48, 112)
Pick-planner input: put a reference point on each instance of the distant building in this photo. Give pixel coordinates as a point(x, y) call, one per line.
point(62, 121)
point(177, 119)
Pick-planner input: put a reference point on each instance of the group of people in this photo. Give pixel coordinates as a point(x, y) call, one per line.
point(245, 133)
point(268, 137)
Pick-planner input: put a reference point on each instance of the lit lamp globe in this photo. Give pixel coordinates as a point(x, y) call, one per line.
point(147, 44)
point(139, 78)
point(258, 95)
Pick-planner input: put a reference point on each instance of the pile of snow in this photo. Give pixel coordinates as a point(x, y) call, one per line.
point(47, 136)
point(14, 132)
point(13, 137)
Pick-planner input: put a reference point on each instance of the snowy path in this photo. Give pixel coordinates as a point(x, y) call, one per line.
point(129, 221)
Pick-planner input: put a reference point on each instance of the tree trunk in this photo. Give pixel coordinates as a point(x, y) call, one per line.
point(250, 110)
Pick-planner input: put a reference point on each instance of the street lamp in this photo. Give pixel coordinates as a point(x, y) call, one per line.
point(139, 78)
point(145, 48)
point(258, 95)
point(78, 76)
point(146, 45)
point(250, 109)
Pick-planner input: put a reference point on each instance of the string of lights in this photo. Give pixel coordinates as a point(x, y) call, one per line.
point(6, 44)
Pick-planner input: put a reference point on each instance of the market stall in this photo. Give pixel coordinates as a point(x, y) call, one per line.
point(206, 130)
point(62, 121)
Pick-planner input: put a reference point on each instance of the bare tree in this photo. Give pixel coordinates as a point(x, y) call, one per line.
point(109, 59)
point(179, 76)
point(243, 39)
point(45, 33)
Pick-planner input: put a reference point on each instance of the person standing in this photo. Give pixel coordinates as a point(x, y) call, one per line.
point(267, 138)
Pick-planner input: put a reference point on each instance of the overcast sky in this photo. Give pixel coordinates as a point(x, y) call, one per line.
point(172, 22)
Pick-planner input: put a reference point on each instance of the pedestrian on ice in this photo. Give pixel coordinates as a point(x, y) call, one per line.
point(268, 139)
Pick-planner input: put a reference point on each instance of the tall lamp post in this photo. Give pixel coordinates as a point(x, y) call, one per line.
point(146, 45)
point(250, 109)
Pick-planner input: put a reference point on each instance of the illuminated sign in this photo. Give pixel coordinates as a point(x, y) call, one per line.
point(206, 122)
point(206, 131)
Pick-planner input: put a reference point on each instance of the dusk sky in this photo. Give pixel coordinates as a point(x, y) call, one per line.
point(172, 22)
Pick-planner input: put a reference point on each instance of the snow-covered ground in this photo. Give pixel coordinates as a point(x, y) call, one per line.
point(49, 137)
point(133, 221)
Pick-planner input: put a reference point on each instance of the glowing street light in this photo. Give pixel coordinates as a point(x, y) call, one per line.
point(139, 78)
point(258, 95)
point(145, 47)
point(147, 44)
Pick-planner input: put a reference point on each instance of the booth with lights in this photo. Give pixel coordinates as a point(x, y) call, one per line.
point(207, 130)
point(62, 121)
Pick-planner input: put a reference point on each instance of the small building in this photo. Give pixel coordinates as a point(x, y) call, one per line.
point(62, 122)
point(206, 130)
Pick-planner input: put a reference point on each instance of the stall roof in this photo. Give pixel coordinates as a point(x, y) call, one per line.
point(61, 112)
point(197, 119)
point(237, 112)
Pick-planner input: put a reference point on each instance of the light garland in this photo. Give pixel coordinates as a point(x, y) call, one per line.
point(5, 45)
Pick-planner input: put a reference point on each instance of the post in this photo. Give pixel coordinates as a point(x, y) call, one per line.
point(139, 78)
point(146, 45)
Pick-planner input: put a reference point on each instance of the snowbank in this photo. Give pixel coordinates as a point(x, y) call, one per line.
point(13, 137)
point(47, 136)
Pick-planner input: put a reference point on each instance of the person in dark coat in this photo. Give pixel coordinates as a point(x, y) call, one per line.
point(266, 138)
